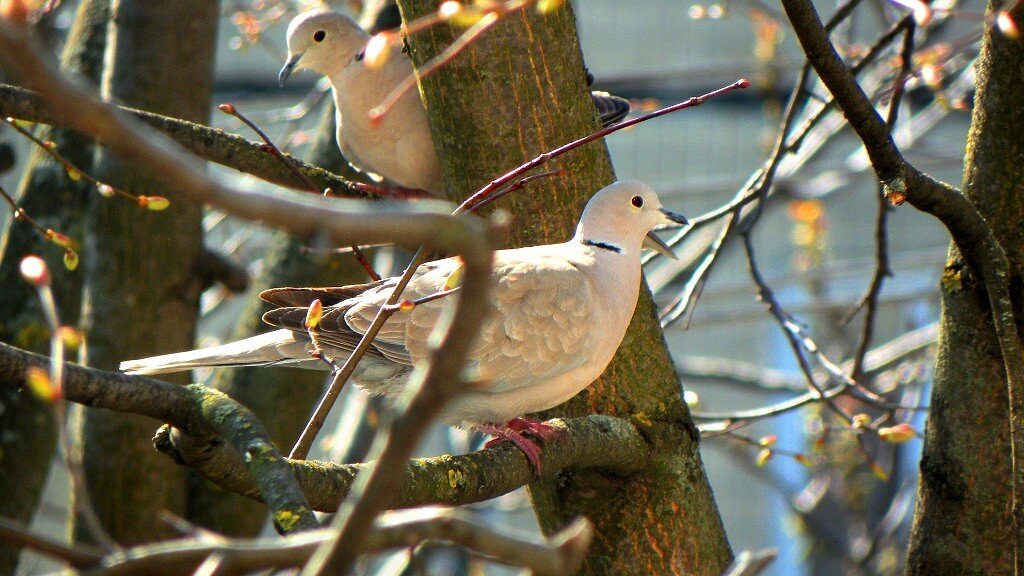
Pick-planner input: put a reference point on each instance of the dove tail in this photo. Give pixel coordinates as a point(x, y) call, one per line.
point(269, 348)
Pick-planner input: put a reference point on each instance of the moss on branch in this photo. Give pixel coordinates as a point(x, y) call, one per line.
point(604, 442)
point(202, 411)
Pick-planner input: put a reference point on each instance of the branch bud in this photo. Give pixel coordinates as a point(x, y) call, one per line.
point(14, 11)
point(70, 259)
point(898, 434)
point(41, 385)
point(377, 51)
point(1006, 25)
point(34, 269)
point(62, 240)
point(154, 203)
point(314, 314)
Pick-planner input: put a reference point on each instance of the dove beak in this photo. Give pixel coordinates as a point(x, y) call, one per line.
point(673, 217)
point(288, 68)
point(652, 242)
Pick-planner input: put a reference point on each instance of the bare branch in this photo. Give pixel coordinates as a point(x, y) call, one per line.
point(561, 554)
point(208, 143)
point(971, 233)
point(78, 556)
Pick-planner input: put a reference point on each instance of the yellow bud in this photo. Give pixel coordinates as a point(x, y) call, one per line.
point(377, 51)
point(314, 314)
point(768, 440)
point(105, 190)
point(691, 398)
point(819, 443)
point(763, 457)
point(448, 9)
point(467, 16)
point(879, 472)
point(71, 337)
point(154, 203)
point(406, 305)
point(898, 434)
point(549, 6)
point(1007, 26)
point(73, 174)
point(70, 259)
point(803, 459)
point(41, 385)
point(860, 421)
point(454, 279)
point(62, 240)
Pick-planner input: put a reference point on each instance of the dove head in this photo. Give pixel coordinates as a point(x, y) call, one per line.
point(622, 215)
point(322, 41)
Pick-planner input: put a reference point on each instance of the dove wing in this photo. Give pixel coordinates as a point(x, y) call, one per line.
point(544, 309)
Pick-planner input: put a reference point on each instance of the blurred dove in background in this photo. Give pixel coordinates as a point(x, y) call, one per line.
point(561, 311)
point(397, 146)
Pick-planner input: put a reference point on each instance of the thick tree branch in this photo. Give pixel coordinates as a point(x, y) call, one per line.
point(208, 143)
point(971, 233)
point(200, 410)
point(594, 442)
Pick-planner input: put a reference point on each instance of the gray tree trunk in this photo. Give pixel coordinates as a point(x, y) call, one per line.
point(517, 92)
point(963, 522)
point(142, 294)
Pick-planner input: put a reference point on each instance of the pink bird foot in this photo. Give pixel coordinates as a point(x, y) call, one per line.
point(513, 431)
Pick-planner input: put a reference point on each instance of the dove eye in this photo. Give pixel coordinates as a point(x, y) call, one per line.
point(319, 36)
point(637, 201)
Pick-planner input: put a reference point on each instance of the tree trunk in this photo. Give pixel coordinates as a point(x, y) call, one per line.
point(963, 522)
point(142, 292)
point(281, 398)
point(27, 433)
point(517, 92)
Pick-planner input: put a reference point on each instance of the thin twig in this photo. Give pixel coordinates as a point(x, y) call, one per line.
point(789, 327)
point(72, 455)
point(78, 556)
point(882, 267)
point(272, 148)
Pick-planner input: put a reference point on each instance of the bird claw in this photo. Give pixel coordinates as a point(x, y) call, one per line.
point(513, 431)
point(533, 427)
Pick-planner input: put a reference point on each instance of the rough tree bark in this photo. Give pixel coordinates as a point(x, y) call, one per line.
point(963, 522)
point(27, 433)
point(517, 92)
point(142, 293)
